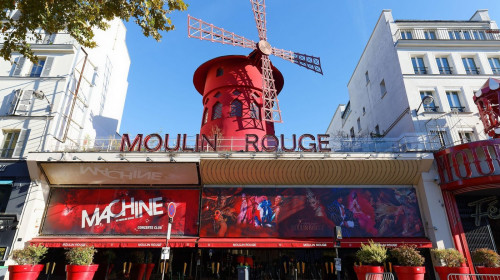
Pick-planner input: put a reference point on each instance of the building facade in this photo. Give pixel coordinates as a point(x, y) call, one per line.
point(70, 97)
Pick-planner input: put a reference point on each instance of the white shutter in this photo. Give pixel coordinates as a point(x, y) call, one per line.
point(13, 103)
point(18, 150)
point(23, 105)
point(47, 66)
point(18, 66)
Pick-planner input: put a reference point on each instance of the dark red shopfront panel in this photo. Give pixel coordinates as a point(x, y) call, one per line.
point(92, 211)
point(310, 212)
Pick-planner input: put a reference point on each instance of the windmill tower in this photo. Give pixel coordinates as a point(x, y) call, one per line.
point(240, 93)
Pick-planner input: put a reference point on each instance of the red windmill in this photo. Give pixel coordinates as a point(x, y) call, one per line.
point(238, 90)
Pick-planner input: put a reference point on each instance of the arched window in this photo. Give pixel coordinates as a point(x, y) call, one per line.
point(220, 72)
point(254, 111)
point(217, 111)
point(205, 116)
point(236, 108)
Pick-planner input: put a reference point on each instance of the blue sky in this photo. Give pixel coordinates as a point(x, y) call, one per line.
point(161, 97)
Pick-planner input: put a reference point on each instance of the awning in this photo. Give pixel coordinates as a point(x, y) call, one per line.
point(387, 242)
point(307, 242)
point(265, 243)
point(63, 242)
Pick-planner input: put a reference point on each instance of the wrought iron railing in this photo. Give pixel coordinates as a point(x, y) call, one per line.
point(496, 70)
point(419, 143)
point(456, 276)
point(445, 70)
point(420, 70)
point(448, 34)
point(457, 109)
point(433, 109)
point(472, 71)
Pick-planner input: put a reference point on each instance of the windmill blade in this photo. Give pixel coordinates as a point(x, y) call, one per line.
point(310, 62)
point(270, 108)
point(259, 13)
point(207, 31)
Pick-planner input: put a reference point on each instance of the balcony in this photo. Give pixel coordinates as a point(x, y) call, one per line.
point(472, 71)
point(431, 109)
point(457, 109)
point(496, 71)
point(420, 70)
point(449, 34)
point(445, 70)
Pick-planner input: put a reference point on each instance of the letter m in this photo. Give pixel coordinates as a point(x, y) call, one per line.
point(95, 220)
point(126, 141)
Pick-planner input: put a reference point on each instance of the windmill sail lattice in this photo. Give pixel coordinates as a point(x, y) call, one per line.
point(206, 31)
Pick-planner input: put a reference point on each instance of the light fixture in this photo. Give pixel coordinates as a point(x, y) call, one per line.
point(40, 95)
point(50, 159)
point(172, 159)
point(101, 158)
point(428, 99)
point(76, 158)
point(149, 159)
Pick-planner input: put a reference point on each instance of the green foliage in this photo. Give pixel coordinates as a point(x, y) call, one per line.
point(79, 18)
point(80, 255)
point(486, 257)
point(449, 257)
point(407, 255)
point(372, 254)
point(29, 255)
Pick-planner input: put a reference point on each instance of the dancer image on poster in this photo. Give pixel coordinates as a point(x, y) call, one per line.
point(242, 216)
point(220, 225)
point(341, 216)
point(363, 212)
point(276, 209)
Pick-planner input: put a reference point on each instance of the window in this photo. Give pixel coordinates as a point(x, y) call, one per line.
point(9, 143)
point(367, 77)
point(206, 101)
point(495, 64)
point(454, 101)
point(431, 107)
point(430, 35)
point(377, 130)
point(254, 111)
point(205, 116)
point(236, 93)
point(467, 35)
point(454, 35)
point(217, 95)
point(36, 70)
point(352, 133)
point(466, 136)
point(359, 124)
point(236, 108)
point(470, 66)
point(418, 65)
point(479, 35)
point(217, 111)
point(220, 72)
point(438, 136)
point(364, 111)
point(443, 65)
point(383, 90)
point(406, 35)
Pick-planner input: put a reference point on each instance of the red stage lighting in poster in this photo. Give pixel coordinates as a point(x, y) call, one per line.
point(120, 211)
point(310, 212)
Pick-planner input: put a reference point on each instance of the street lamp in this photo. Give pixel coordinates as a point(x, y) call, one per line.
point(428, 99)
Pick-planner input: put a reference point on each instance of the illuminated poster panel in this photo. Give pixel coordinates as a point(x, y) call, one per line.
point(310, 212)
point(92, 211)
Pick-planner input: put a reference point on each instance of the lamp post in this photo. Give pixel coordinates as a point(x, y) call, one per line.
point(428, 99)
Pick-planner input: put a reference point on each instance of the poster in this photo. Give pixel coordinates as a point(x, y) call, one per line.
point(92, 211)
point(310, 212)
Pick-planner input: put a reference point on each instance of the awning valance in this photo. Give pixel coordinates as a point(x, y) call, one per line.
point(67, 242)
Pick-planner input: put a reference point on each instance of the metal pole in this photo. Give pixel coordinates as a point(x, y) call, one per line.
point(337, 255)
point(168, 237)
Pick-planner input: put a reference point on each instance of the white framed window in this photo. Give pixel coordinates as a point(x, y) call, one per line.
point(494, 64)
point(443, 66)
point(418, 65)
point(454, 101)
point(13, 142)
point(466, 136)
point(470, 66)
point(439, 136)
point(431, 107)
point(430, 35)
point(406, 35)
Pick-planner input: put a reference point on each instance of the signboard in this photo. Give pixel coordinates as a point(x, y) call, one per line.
point(310, 212)
point(338, 232)
point(165, 253)
point(338, 264)
point(171, 210)
point(120, 211)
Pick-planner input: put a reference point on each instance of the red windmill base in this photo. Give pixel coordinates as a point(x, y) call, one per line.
point(487, 100)
point(231, 87)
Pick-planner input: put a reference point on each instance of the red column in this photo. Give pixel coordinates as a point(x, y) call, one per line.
point(457, 229)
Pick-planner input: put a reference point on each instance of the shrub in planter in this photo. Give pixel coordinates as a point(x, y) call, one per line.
point(488, 261)
point(409, 263)
point(80, 265)
point(372, 257)
point(27, 260)
point(451, 262)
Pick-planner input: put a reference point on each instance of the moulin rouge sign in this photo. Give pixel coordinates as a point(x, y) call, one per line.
point(267, 143)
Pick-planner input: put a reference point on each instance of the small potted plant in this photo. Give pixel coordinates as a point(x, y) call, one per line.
point(487, 261)
point(149, 264)
point(372, 258)
point(80, 265)
point(452, 261)
point(138, 267)
point(27, 260)
point(410, 263)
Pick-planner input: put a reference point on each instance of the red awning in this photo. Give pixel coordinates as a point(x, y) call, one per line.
point(307, 242)
point(265, 243)
point(60, 242)
point(388, 242)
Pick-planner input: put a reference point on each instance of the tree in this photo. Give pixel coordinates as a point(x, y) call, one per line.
point(79, 18)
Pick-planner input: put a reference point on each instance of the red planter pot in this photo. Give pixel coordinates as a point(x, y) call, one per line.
point(410, 272)
point(362, 270)
point(138, 271)
point(149, 270)
point(81, 272)
point(25, 272)
point(487, 270)
point(443, 271)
